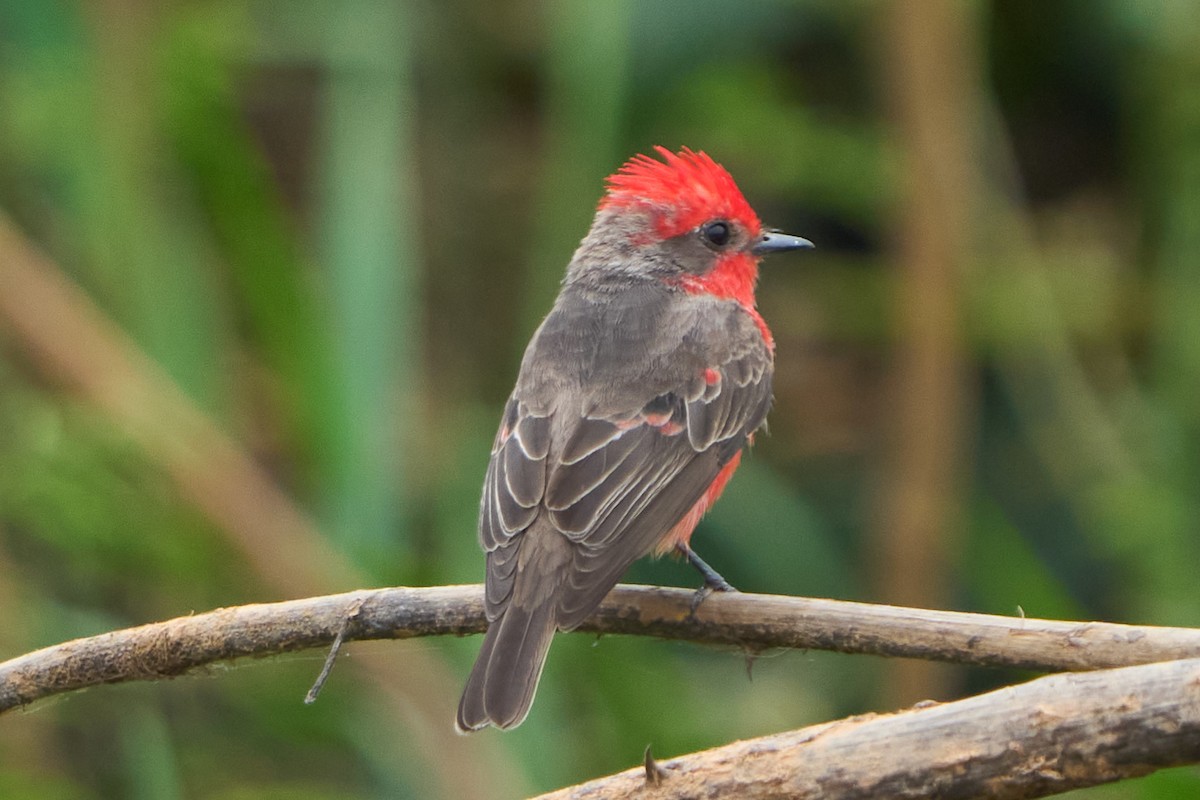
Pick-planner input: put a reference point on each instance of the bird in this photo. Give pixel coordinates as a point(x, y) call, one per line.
point(634, 400)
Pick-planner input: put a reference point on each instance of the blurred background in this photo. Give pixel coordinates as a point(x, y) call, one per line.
point(267, 269)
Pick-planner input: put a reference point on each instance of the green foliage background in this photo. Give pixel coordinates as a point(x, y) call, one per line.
point(335, 225)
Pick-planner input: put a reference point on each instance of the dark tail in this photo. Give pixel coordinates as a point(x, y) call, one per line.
point(505, 677)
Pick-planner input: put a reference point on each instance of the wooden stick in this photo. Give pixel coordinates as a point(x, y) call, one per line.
point(748, 621)
point(1040, 738)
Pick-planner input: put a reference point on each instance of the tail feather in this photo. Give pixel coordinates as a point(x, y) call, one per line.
point(505, 677)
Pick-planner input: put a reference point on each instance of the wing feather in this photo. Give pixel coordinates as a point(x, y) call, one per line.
point(589, 477)
point(491, 531)
point(501, 574)
point(597, 570)
point(589, 436)
point(610, 472)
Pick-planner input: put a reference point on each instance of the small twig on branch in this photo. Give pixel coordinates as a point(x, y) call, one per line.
point(334, 649)
point(751, 622)
point(654, 773)
point(1040, 738)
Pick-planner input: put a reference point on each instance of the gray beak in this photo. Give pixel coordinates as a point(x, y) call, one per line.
point(773, 242)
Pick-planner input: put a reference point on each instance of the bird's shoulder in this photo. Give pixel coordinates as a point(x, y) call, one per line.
point(612, 345)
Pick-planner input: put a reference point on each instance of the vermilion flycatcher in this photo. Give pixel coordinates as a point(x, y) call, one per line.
point(634, 400)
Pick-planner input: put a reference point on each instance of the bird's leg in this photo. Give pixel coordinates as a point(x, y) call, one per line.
point(713, 582)
point(712, 578)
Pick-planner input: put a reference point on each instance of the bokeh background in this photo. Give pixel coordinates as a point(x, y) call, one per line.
point(267, 269)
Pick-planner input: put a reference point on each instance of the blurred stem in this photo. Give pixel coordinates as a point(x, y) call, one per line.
point(1134, 495)
point(272, 276)
point(587, 70)
point(143, 255)
point(367, 211)
point(152, 771)
point(70, 341)
point(1173, 117)
point(1167, 119)
point(932, 67)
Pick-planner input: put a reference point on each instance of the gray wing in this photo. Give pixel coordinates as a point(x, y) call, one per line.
point(616, 476)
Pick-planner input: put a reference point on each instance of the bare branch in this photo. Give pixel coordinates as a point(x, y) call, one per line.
point(1040, 738)
point(748, 621)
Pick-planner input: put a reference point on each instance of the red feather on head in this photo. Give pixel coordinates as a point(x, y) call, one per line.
point(682, 191)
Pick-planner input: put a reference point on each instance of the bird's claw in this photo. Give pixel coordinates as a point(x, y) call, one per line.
point(702, 594)
point(699, 596)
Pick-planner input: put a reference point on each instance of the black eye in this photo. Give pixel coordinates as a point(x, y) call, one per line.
point(716, 233)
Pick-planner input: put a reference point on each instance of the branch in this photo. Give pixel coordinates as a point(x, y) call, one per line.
point(753, 622)
point(1040, 738)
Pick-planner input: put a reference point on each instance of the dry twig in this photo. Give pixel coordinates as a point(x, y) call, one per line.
point(1040, 738)
point(749, 621)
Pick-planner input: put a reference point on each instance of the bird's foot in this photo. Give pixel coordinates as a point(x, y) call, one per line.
point(713, 581)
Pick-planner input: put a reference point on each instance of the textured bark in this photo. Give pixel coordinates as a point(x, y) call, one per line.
point(1041, 738)
point(753, 622)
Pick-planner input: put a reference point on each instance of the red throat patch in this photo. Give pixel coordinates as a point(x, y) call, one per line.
point(681, 192)
point(733, 277)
